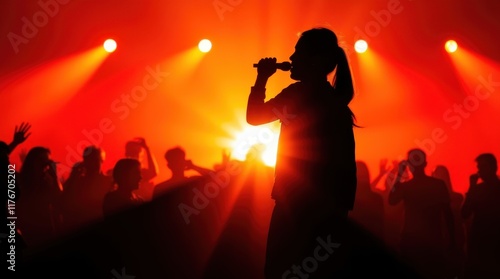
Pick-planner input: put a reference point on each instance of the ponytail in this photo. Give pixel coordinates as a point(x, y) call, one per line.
point(342, 81)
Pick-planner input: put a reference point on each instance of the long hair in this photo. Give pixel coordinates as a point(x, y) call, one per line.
point(324, 42)
point(342, 81)
point(441, 172)
point(32, 169)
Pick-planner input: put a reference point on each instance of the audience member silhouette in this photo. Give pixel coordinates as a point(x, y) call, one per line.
point(483, 206)
point(456, 259)
point(39, 204)
point(369, 206)
point(127, 176)
point(383, 170)
point(84, 190)
point(226, 159)
point(137, 149)
point(178, 165)
point(315, 181)
point(426, 203)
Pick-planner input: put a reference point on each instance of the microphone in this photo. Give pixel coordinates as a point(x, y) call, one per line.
point(284, 66)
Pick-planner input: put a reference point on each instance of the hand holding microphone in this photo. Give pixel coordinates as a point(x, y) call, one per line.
point(284, 66)
point(268, 66)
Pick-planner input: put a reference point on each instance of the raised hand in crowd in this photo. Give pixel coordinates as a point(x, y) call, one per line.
point(21, 133)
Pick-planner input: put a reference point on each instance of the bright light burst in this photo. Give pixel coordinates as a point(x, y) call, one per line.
point(255, 140)
point(451, 46)
point(109, 45)
point(205, 45)
point(361, 46)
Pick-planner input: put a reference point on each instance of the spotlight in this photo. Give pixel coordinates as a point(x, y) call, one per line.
point(205, 45)
point(109, 45)
point(360, 46)
point(451, 46)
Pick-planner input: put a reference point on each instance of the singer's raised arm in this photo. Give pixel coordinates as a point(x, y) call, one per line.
point(258, 111)
point(261, 112)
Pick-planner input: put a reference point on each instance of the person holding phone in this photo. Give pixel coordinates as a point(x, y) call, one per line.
point(426, 204)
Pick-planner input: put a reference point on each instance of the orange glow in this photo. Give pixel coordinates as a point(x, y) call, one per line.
point(395, 113)
point(383, 85)
point(480, 78)
point(172, 88)
point(473, 68)
point(47, 87)
point(183, 64)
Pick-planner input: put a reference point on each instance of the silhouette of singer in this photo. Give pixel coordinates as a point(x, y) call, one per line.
point(315, 176)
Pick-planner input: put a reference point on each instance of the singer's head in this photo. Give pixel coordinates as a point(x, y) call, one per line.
point(317, 54)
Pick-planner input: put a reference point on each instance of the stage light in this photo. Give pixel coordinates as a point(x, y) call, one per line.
point(109, 45)
point(451, 46)
point(361, 46)
point(205, 45)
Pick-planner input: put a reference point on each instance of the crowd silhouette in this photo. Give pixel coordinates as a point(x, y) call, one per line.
point(317, 214)
point(443, 234)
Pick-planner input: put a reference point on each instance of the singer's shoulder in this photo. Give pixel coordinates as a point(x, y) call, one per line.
point(291, 92)
point(293, 88)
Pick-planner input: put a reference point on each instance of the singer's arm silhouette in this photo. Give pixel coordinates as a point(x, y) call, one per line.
point(315, 180)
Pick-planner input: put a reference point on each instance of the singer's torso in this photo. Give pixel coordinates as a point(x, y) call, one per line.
point(316, 157)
